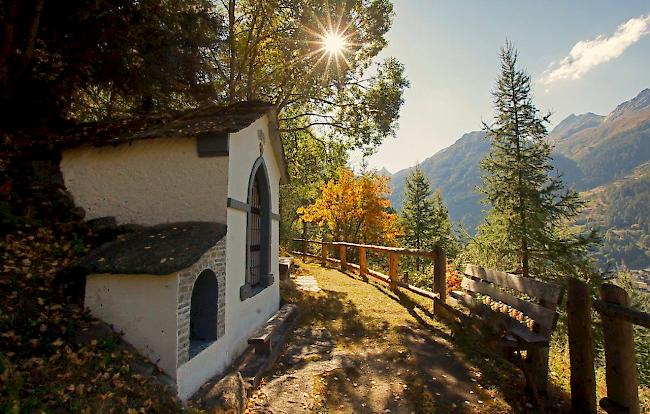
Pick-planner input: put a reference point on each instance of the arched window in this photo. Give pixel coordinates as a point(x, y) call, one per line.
point(258, 232)
point(203, 312)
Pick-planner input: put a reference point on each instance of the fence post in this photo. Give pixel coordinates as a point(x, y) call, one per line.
point(581, 350)
point(304, 250)
point(344, 263)
point(620, 361)
point(363, 265)
point(324, 247)
point(440, 276)
point(392, 269)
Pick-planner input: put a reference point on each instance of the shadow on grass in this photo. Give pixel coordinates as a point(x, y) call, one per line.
point(469, 352)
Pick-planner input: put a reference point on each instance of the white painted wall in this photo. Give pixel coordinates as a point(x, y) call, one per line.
point(242, 317)
point(147, 182)
point(163, 180)
point(143, 307)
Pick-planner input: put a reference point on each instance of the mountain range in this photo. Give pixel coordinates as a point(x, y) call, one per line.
point(593, 154)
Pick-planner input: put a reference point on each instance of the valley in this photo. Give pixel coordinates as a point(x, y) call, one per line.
point(606, 158)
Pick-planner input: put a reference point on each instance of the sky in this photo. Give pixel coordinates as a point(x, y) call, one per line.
point(583, 56)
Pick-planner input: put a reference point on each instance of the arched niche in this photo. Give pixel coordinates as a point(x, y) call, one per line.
point(204, 307)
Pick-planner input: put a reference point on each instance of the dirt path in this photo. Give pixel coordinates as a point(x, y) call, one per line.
point(361, 348)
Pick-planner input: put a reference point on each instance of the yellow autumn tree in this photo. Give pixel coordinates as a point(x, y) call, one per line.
point(354, 209)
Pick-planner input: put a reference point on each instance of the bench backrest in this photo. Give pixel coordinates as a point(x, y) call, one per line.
point(544, 297)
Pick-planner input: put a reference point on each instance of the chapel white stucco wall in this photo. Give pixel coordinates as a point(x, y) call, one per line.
point(143, 307)
point(242, 317)
point(147, 182)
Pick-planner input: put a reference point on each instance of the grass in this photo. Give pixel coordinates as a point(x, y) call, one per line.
point(396, 341)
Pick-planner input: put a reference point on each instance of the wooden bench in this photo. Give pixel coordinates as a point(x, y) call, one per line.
point(520, 310)
point(262, 338)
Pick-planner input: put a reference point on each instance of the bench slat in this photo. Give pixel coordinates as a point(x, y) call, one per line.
point(524, 334)
point(518, 330)
point(544, 317)
point(545, 291)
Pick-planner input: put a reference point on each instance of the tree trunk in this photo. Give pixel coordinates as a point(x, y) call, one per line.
point(520, 191)
point(233, 51)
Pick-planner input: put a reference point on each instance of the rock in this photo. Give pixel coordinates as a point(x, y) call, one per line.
point(98, 331)
point(102, 224)
point(142, 368)
point(166, 381)
point(78, 213)
point(228, 396)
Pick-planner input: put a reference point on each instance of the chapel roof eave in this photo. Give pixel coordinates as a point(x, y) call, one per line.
point(154, 250)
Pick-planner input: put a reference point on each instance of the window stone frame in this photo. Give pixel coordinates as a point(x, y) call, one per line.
point(267, 278)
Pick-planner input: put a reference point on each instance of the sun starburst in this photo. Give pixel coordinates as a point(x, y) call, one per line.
point(333, 41)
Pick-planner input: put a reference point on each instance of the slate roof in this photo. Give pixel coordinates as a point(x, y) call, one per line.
point(193, 122)
point(157, 250)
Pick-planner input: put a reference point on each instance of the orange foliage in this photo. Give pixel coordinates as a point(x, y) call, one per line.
point(453, 278)
point(354, 209)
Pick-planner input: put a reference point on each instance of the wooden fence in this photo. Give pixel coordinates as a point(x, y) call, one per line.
point(439, 295)
point(617, 322)
point(620, 362)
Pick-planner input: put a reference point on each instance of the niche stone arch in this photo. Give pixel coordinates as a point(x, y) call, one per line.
point(211, 264)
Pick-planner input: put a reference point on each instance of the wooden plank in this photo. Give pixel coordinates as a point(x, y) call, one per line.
point(620, 362)
point(323, 252)
point(399, 250)
point(378, 275)
point(627, 314)
point(392, 270)
point(342, 252)
point(545, 317)
point(386, 279)
point(545, 291)
point(581, 348)
point(506, 323)
point(440, 274)
point(363, 264)
point(422, 292)
point(478, 308)
point(524, 334)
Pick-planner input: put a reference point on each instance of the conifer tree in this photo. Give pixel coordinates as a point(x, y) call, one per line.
point(425, 219)
point(527, 228)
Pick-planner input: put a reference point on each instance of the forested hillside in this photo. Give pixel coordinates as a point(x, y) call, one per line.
point(621, 210)
point(603, 156)
point(455, 172)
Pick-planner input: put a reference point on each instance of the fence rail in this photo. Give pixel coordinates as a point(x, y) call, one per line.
point(439, 295)
point(620, 362)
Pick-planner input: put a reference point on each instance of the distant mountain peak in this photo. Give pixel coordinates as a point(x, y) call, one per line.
point(573, 124)
point(636, 104)
point(384, 172)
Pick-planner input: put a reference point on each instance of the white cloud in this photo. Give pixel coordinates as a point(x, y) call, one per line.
point(587, 54)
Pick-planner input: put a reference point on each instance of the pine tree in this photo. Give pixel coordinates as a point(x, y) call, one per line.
point(441, 229)
point(527, 227)
point(425, 219)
